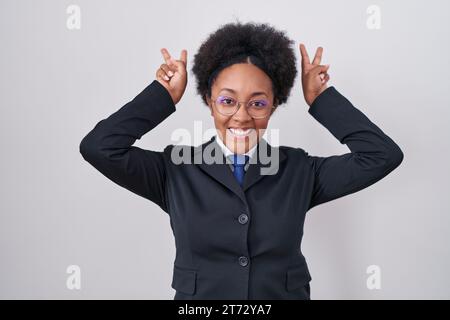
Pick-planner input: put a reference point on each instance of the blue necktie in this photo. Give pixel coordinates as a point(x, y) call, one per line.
point(239, 161)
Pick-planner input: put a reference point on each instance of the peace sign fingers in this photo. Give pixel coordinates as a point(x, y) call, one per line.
point(172, 74)
point(314, 75)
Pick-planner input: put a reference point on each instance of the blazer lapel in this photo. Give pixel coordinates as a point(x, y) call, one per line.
point(219, 171)
point(265, 161)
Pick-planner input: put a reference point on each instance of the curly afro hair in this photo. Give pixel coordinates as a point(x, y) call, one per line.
point(261, 44)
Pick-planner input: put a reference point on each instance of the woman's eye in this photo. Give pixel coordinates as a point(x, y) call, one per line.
point(259, 104)
point(227, 101)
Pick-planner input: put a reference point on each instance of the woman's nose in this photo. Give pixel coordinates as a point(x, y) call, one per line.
point(242, 113)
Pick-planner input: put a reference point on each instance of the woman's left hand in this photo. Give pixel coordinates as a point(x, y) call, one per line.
point(314, 75)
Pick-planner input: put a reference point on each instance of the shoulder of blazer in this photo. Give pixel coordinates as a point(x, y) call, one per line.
point(294, 152)
point(297, 156)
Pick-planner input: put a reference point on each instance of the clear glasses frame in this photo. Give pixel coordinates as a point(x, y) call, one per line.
point(247, 104)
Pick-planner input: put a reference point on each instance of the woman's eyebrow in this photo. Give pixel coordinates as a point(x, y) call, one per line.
point(252, 95)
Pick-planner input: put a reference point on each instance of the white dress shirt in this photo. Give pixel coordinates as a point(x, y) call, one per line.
point(227, 152)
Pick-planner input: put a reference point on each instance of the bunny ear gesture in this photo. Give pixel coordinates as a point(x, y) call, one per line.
point(173, 75)
point(305, 58)
point(314, 75)
point(178, 65)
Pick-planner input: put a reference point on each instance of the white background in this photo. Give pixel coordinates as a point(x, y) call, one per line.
point(56, 84)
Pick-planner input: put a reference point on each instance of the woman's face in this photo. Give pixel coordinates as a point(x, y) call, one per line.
point(244, 79)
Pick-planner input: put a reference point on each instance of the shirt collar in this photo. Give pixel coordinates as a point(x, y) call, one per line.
point(227, 152)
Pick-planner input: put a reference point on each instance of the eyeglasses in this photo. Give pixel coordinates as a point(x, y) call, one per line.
point(257, 109)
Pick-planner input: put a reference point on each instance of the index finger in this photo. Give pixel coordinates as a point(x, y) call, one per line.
point(183, 56)
point(305, 57)
point(166, 55)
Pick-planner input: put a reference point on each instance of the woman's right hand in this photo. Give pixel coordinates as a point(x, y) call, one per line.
point(173, 75)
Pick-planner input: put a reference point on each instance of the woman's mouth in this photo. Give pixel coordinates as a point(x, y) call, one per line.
point(241, 133)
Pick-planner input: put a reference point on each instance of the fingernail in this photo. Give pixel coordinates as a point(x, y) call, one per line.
point(170, 73)
point(166, 77)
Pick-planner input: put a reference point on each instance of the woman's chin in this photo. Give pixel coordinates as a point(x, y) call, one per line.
point(241, 144)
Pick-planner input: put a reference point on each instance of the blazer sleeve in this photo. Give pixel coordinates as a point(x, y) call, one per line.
point(373, 154)
point(109, 145)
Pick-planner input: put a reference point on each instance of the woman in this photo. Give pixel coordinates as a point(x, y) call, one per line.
point(237, 229)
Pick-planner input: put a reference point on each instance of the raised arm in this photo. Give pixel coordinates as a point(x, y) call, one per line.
point(109, 145)
point(373, 154)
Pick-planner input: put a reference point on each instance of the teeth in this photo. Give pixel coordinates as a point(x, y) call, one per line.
point(240, 132)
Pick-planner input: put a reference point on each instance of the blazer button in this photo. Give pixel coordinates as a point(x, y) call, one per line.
point(243, 261)
point(243, 218)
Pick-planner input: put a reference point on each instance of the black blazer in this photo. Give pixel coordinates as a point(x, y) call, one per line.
point(237, 242)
